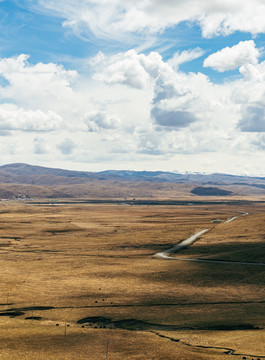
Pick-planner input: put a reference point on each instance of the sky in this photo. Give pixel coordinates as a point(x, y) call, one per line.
point(166, 85)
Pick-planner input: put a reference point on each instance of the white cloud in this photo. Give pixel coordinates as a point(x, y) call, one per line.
point(259, 141)
point(40, 146)
point(248, 95)
point(99, 120)
point(115, 19)
point(163, 114)
point(50, 82)
point(172, 119)
point(227, 17)
point(233, 57)
point(66, 146)
point(174, 99)
point(185, 56)
point(253, 118)
point(193, 115)
point(253, 73)
point(14, 118)
point(122, 68)
point(179, 100)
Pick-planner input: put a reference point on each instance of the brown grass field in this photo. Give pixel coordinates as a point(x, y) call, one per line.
point(79, 281)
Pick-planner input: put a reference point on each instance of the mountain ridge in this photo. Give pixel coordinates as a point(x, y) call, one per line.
point(27, 169)
point(20, 180)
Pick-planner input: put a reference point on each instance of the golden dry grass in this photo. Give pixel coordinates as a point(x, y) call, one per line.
point(65, 263)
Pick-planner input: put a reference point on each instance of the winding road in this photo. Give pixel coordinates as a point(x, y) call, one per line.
point(167, 254)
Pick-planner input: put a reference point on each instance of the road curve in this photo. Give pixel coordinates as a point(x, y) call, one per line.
point(230, 220)
point(167, 254)
point(235, 217)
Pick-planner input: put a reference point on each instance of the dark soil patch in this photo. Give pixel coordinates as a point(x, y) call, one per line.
point(11, 314)
point(33, 318)
point(146, 246)
point(210, 191)
point(32, 308)
point(233, 327)
point(61, 231)
point(134, 324)
point(129, 324)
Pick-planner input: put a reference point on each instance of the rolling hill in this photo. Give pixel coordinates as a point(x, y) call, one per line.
point(27, 181)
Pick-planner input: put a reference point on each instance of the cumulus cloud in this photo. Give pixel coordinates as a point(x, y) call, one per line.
point(116, 19)
point(66, 146)
point(168, 143)
point(129, 68)
point(50, 82)
point(259, 141)
point(40, 146)
point(253, 119)
point(122, 68)
point(227, 17)
point(178, 113)
point(191, 100)
point(172, 119)
point(233, 57)
point(175, 96)
point(14, 118)
point(150, 144)
point(15, 66)
point(248, 95)
point(99, 120)
point(254, 74)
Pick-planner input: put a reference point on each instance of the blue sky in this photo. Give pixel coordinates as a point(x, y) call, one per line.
point(96, 85)
point(42, 36)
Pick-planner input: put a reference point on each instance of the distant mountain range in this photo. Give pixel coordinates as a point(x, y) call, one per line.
point(22, 173)
point(23, 180)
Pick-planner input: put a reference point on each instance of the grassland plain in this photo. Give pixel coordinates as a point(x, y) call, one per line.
point(78, 281)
